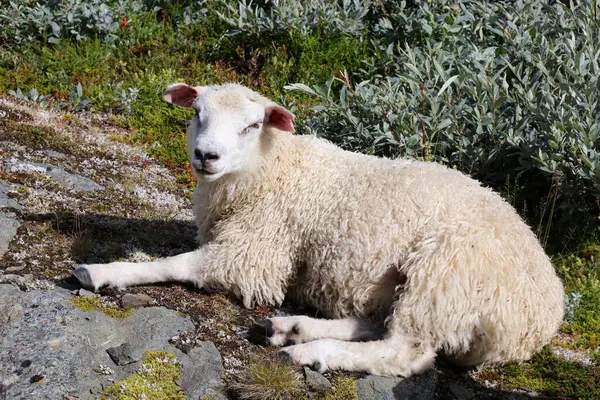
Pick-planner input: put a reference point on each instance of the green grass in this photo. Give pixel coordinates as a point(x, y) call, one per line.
point(580, 273)
point(549, 375)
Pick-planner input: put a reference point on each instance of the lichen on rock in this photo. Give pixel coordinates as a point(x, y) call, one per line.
point(156, 379)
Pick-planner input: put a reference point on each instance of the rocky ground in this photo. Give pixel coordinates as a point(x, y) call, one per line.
point(72, 191)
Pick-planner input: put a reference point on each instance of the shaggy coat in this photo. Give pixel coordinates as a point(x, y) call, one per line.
point(446, 264)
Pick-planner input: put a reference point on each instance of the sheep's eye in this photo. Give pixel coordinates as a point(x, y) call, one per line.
point(250, 127)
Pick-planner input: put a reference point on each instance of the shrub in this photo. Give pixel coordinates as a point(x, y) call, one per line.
point(505, 91)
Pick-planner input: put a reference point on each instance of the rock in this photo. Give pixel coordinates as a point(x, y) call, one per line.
point(460, 392)
point(125, 354)
point(8, 230)
point(204, 378)
point(15, 269)
point(17, 279)
point(5, 200)
point(420, 387)
point(315, 380)
point(66, 179)
point(67, 346)
point(136, 300)
point(54, 154)
point(86, 293)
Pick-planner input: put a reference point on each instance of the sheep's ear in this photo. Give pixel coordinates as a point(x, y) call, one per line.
point(181, 94)
point(280, 118)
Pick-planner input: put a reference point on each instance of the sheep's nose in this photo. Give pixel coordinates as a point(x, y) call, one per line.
point(206, 156)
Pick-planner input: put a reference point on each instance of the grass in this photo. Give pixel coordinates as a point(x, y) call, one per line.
point(343, 389)
point(155, 380)
point(580, 273)
point(548, 375)
point(266, 378)
point(93, 304)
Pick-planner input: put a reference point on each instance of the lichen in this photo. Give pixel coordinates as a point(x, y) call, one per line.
point(155, 380)
point(93, 304)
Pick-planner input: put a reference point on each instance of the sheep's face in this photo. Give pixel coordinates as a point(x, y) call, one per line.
point(224, 135)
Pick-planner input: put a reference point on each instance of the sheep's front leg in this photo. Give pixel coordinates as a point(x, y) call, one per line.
point(287, 331)
point(181, 268)
point(400, 356)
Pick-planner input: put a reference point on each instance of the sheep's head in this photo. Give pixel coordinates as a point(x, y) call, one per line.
point(224, 135)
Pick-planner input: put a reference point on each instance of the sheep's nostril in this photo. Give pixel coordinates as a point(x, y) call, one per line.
point(206, 156)
point(211, 156)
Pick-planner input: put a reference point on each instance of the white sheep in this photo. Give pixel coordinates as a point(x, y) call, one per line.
point(444, 263)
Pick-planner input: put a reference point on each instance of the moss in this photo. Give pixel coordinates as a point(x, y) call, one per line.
point(265, 378)
point(34, 136)
point(155, 380)
point(343, 389)
point(93, 304)
point(580, 273)
point(549, 375)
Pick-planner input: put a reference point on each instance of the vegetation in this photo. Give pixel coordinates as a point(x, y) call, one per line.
point(94, 304)
point(506, 91)
point(343, 389)
point(266, 378)
point(155, 380)
point(549, 375)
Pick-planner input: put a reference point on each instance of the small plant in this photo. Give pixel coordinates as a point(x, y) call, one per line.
point(33, 96)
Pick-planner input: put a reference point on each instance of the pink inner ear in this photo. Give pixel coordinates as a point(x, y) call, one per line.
point(281, 118)
point(181, 94)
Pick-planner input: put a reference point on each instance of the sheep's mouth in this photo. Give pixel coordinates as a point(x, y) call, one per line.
point(203, 171)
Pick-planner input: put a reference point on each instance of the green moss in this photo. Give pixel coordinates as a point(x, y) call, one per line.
point(93, 304)
point(155, 380)
point(551, 376)
point(265, 378)
point(343, 389)
point(33, 136)
point(580, 273)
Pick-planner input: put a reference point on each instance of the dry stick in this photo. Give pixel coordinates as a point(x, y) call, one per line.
point(423, 135)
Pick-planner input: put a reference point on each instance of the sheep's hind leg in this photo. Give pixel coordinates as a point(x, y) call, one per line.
point(399, 356)
point(123, 274)
point(286, 331)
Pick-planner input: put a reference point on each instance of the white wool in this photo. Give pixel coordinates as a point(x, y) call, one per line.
point(446, 263)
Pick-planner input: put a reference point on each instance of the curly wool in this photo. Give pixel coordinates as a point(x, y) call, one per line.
point(423, 247)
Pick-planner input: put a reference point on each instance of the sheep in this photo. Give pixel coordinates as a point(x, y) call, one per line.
point(444, 264)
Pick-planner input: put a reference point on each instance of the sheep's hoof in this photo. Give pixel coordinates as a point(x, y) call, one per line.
point(261, 331)
point(284, 358)
point(84, 277)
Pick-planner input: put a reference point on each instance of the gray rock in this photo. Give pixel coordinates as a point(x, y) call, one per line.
point(125, 353)
point(204, 378)
point(86, 293)
point(459, 391)
point(5, 200)
point(16, 279)
point(74, 182)
point(9, 223)
point(420, 387)
point(136, 300)
point(63, 346)
point(315, 380)
point(15, 269)
point(54, 154)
